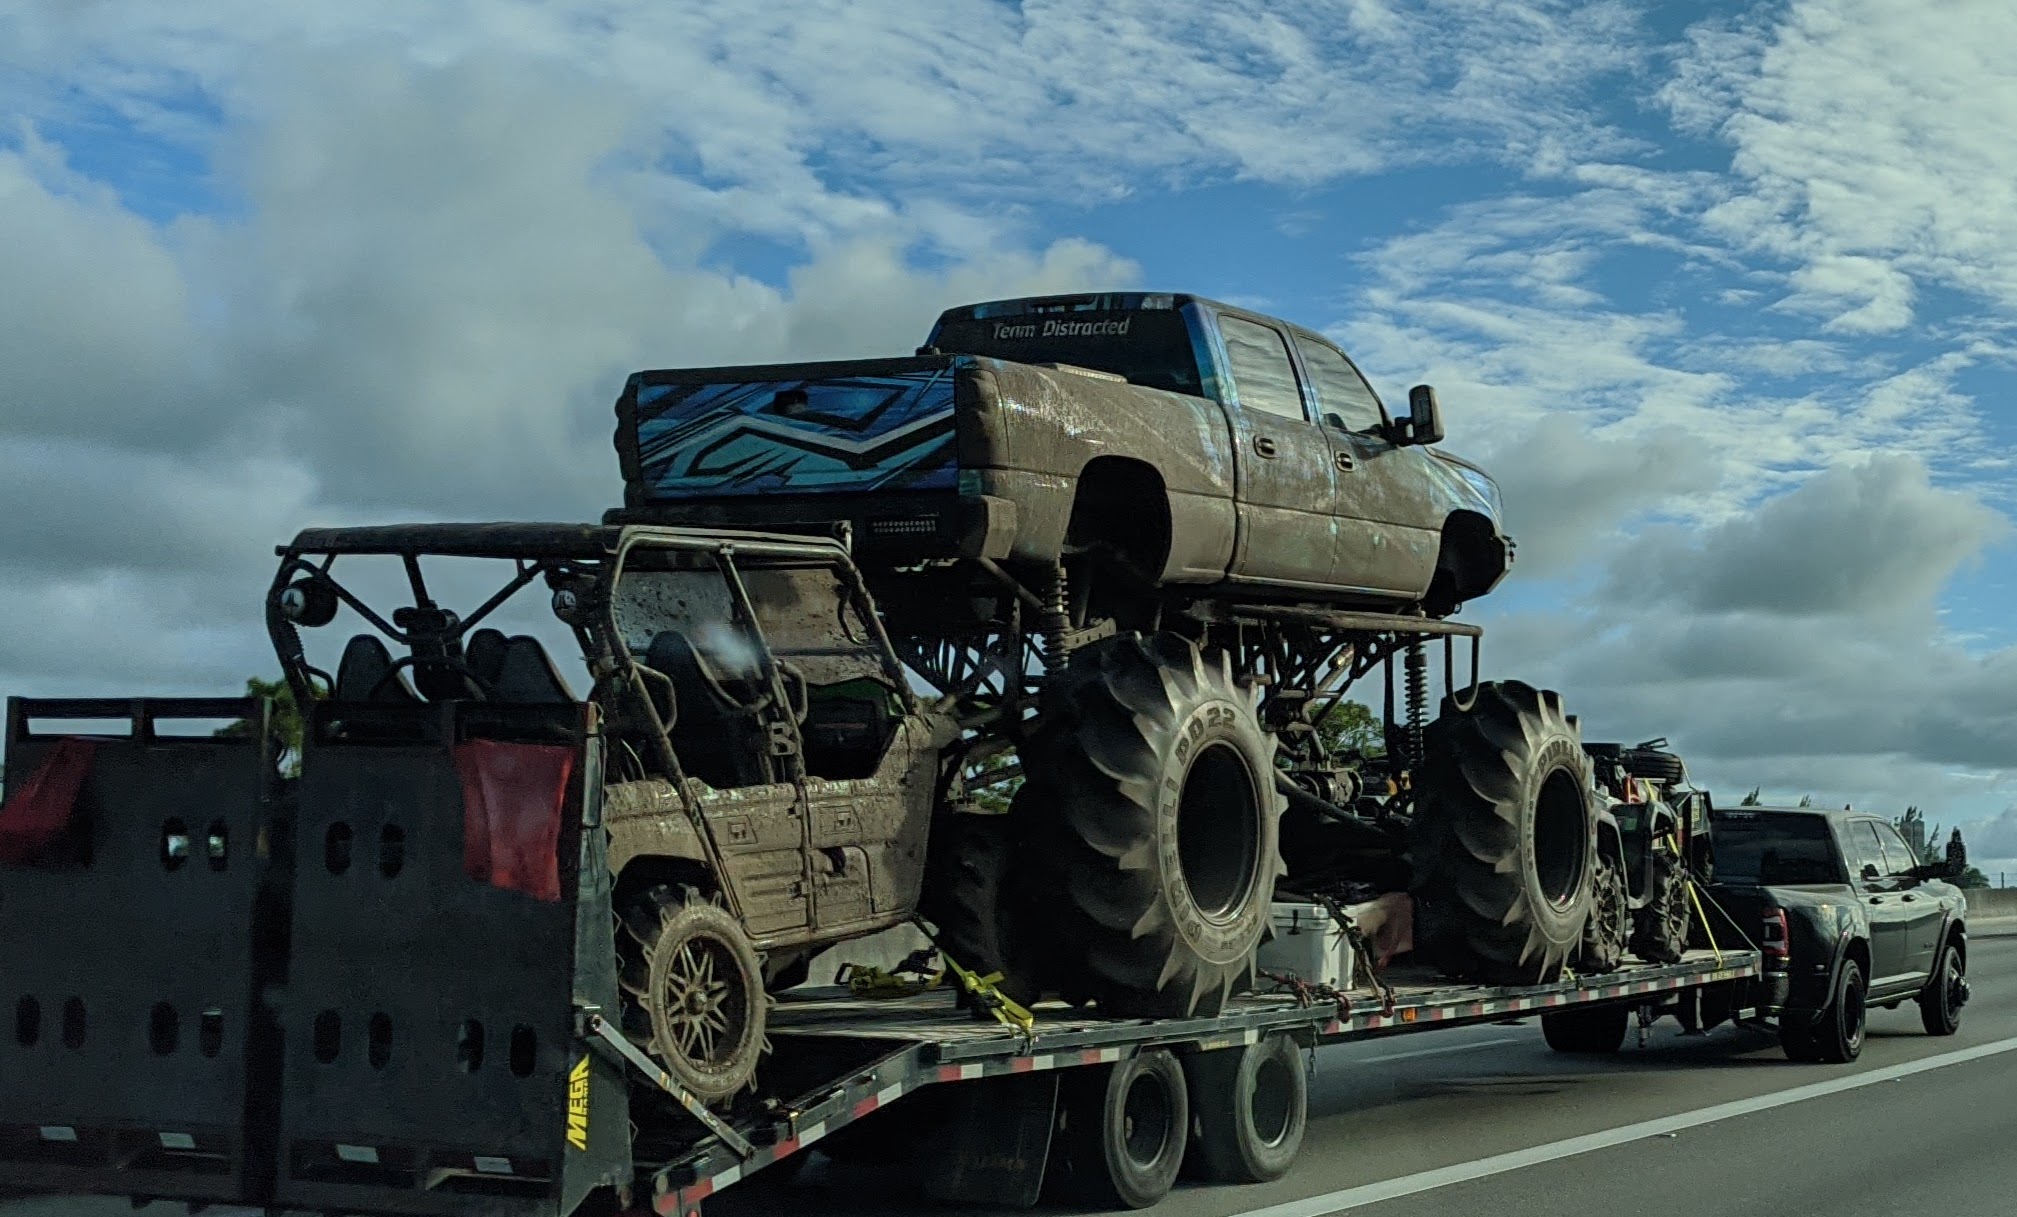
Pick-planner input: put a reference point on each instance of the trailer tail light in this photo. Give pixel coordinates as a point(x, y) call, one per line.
point(1777, 944)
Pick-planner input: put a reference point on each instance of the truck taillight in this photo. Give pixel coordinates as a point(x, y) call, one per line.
point(1776, 945)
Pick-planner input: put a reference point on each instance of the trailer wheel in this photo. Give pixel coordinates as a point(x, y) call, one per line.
point(978, 898)
point(698, 986)
point(1504, 840)
point(1123, 1132)
point(1610, 920)
point(1249, 1108)
point(1590, 1030)
point(1660, 930)
point(1153, 782)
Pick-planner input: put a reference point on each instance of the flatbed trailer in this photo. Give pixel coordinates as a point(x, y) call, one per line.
point(906, 1045)
point(233, 992)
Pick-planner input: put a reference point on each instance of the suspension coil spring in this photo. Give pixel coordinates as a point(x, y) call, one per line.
point(1056, 620)
point(1416, 669)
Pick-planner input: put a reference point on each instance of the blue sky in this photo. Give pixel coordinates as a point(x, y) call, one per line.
point(1724, 294)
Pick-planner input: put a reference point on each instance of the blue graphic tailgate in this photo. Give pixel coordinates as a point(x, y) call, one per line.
point(705, 438)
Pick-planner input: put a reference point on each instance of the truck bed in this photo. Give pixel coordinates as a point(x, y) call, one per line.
point(904, 1044)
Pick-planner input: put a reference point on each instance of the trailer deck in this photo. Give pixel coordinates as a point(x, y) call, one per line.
point(909, 1043)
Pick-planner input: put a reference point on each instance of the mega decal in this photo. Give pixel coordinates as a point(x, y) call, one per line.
point(843, 433)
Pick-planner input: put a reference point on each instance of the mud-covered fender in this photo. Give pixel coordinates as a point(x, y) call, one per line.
point(1610, 838)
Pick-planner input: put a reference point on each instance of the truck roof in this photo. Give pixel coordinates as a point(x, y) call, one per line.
point(1080, 302)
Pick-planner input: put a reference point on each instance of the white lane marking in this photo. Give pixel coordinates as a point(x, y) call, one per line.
point(1463, 1172)
point(1413, 1053)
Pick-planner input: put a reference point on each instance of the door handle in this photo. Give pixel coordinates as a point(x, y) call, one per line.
point(1908, 896)
point(1345, 464)
point(1263, 446)
point(1876, 899)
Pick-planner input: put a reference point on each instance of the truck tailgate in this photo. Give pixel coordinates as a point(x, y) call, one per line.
point(808, 428)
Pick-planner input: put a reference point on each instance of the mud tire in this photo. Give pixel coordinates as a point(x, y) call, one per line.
point(1151, 783)
point(1610, 922)
point(1660, 929)
point(1504, 840)
point(672, 938)
point(977, 893)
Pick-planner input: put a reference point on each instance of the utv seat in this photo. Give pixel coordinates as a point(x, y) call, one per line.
point(516, 669)
point(718, 739)
point(366, 673)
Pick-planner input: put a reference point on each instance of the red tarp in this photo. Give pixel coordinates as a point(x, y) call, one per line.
point(512, 797)
point(38, 810)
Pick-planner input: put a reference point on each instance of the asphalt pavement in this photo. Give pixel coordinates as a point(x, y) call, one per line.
point(1488, 1120)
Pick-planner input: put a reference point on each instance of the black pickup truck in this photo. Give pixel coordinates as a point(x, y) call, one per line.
point(1849, 920)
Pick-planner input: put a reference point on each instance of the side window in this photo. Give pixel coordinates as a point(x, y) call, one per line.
point(1863, 849)
point(1897, 855)
point(1263, 377)
point(1340, 388)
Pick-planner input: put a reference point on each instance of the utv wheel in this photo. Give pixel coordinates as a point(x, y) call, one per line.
point(1589, 1031)
point(1153, 782)
point(977, 895)
point(1660, 930)
point(697, 989)
point(1837, 1035)
point(1610, 921)
point(1123, 1131)
point(1940, 1001)
point(1504, 841)
point(1249, 1109)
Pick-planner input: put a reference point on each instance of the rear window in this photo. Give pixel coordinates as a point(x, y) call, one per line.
point(1753, 847)
point(1150, 347)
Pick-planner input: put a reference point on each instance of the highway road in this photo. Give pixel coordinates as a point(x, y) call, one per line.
point(1488, 1120)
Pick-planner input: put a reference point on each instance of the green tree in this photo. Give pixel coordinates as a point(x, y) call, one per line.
point(1930, 848)
point(1752, 799)
point(287, 722)
point(1351, 726)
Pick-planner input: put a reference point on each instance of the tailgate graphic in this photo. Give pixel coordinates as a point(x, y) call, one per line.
point(836, 433)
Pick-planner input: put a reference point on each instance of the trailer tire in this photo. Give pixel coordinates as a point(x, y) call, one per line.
point(1610, 921)
point(1123, 1132)
point(977, 895)
point(694, 976)
point(1660, 930)
point(1152, 783)
point(1504, 840)
point(1589, 1031)
point(1249, 1109)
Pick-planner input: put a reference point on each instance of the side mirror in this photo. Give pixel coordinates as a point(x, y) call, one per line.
point(1425, 416)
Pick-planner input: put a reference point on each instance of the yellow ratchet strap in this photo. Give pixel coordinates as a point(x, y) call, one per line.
point(1006, 1012)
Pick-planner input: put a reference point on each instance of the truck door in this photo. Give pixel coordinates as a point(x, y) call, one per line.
point(1287, 492)
point(1921, 915)
point(1389, 528)
point(1890, 916)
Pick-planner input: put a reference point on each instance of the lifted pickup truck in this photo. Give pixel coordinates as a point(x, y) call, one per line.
point(1849, 918)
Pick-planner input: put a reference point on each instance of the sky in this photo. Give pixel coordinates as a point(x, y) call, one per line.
point(1725, 295)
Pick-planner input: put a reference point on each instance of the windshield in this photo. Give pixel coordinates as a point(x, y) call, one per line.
point(1150, 347)
point(1760, 848)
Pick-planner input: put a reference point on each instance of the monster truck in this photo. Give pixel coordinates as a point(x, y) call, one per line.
point(1145, 543)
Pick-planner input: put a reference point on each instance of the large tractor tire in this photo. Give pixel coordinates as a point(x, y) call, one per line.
point(978, 895)
point(1504, 841)
point(1152, 783)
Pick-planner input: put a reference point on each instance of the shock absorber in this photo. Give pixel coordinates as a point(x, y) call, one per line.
point(1416, 668)
point(1056, 619)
